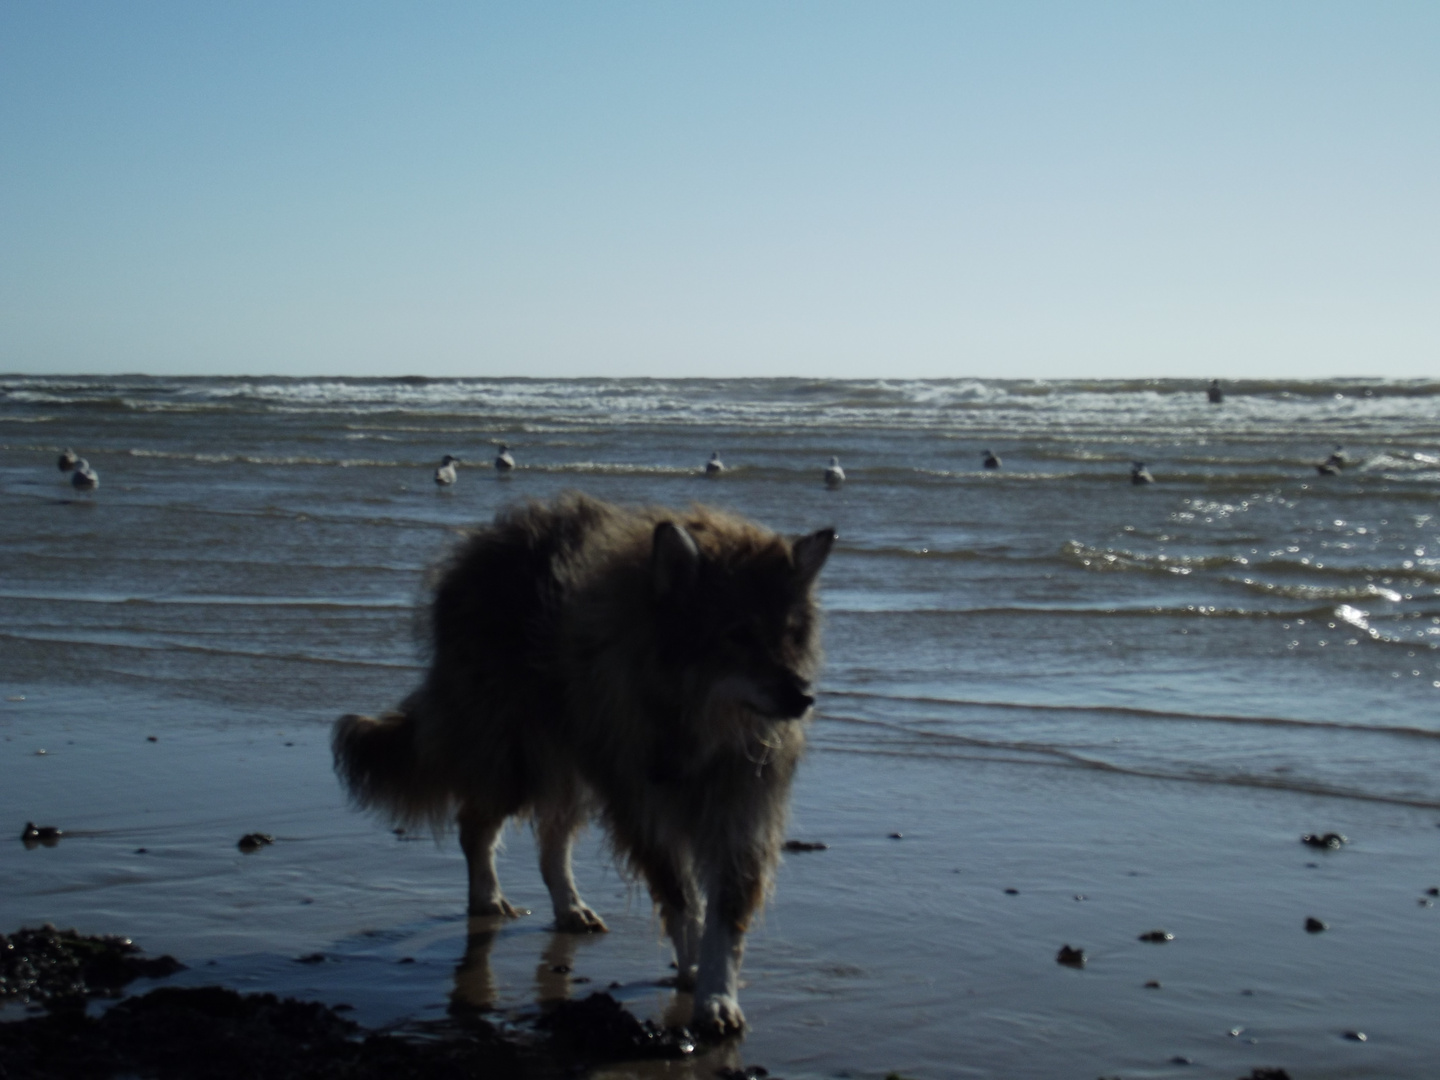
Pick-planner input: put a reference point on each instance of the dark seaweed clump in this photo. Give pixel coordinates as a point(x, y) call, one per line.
point(48, 966)
point(598, 1027)
point(211, 1033)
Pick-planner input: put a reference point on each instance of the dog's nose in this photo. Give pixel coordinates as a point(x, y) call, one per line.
point(793, 701)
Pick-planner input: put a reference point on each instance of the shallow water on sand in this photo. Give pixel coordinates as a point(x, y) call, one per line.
point(1045, 678)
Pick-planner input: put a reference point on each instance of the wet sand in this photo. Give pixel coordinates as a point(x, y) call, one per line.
point(876, 954)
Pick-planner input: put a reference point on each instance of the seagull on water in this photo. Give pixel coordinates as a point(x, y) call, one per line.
point(445, 474)
point(504, 462)
point(834, 474)
point(84, 478)
point(68, 458)
point(991, 459)
point(714, 467)
point(1139, 474)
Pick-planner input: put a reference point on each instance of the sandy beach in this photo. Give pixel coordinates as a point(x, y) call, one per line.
point(876, 955)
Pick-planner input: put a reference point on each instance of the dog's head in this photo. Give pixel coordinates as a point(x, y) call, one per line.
point(736, 614)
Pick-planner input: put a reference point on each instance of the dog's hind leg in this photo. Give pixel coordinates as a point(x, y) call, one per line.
point(479, 836)
point(555, 827)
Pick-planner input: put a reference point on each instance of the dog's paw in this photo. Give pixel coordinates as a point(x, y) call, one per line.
point(497, 906)
point(580, 920)
point(717, 1016)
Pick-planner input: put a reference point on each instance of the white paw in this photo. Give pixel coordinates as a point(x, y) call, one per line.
point(717, 1016)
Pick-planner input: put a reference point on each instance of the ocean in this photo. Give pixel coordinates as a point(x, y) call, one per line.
point(1244, 640)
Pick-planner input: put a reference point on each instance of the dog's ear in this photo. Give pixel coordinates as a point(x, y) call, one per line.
point(810, 553)
point(674, 561)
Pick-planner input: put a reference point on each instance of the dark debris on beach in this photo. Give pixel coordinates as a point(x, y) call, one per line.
point(211, 1033)
point(46, 966)
point(214, 1033)
point(806, 845)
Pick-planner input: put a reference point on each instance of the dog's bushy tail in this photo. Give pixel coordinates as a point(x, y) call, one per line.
point(378, 759)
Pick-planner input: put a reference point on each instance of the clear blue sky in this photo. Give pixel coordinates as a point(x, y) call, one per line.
point(828, 189)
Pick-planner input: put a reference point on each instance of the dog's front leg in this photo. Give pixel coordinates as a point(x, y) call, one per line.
point(733, 897)
point(686, 930)
point(717, 986)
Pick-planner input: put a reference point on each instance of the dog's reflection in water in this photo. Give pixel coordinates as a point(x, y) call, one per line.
point(555, 980)
point(555, 973)
point(475, 987)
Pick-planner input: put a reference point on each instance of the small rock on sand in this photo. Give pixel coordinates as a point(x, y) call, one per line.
point(1070, 957)
point(1314, 925)
point(806, 845)
point(1158, 937)
point(1331, 841)
point(254, 841)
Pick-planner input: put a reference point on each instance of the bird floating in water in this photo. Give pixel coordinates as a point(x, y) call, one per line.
point(84, 478)
point(714, 467)
point(1214, 393)
point(34, 835)
point(834, 474)
point(504, 461)
point(68, 458)
point(445, 474)
point(1139, 474)
point(991, 459)
point(1332, 465)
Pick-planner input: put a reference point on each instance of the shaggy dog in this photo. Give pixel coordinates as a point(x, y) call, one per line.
point(651, 666)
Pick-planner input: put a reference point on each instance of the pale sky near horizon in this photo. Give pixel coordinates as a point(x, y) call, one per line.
point(818, 189)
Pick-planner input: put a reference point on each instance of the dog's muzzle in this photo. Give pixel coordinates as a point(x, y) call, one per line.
point(792, 700)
